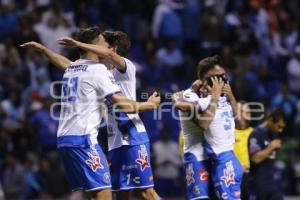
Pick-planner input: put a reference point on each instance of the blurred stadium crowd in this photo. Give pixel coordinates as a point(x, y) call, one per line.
point(258, 39)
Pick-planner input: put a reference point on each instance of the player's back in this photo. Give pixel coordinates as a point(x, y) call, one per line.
point(85, 85)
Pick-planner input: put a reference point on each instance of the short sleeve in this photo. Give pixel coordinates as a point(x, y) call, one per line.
point(204, 103)
point(130, 70)
point(254, 144)
point(190, 96)
point(105, 84)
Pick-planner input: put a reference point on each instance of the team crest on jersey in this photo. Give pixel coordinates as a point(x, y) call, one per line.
point(203, 174)
point(229, 174)
point(143, 158)
point(189, 174)
point(94, 162)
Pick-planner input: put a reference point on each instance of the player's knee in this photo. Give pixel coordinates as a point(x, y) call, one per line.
point(148, 194)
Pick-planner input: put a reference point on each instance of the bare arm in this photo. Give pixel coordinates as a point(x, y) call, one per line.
point(208, 114)
point(56, 59)
point(184, 106)
point(265, 153)
point(102, 51)
point(130, 106)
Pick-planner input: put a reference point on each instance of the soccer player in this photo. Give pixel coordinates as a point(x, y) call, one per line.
point(129, 151)
point(217, 120)
point(86, 86)
point(263, 144)
point(196, 161)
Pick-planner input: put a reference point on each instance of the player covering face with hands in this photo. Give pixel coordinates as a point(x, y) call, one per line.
point(215, 108)
point(196, 161)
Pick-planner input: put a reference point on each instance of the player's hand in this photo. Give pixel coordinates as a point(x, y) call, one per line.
point(217, 87)
point(155, 99)
point(180, 104)
point(227, 90)
point(276, 144)
point(177, 97)
point(68, 41)
point(33, 45)
point(197, 85)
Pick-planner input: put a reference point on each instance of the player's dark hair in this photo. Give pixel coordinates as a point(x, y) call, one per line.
point(276, 115)
point(118, 39)
point(206, 64)
point(87, 35)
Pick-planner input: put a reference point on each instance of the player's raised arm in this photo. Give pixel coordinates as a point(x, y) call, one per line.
point(102, 51)
point(180, 104)
point(186, 101)
point(56, 59)
point(130, 106)
point(209, 111)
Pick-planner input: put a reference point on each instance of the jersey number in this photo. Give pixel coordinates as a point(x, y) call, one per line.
point(69, 89)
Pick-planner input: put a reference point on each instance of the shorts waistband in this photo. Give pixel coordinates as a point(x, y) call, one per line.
point(74, 141)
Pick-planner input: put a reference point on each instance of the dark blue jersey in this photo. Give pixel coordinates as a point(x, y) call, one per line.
point(259, 140)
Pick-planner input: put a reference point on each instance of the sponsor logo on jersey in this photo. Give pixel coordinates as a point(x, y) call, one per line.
point(203, 174)
point(143, 158)
point(106, 177)
point(94, 162)
point(189, 174)
point(196, 190)
point(137, 180)
point(228, 174)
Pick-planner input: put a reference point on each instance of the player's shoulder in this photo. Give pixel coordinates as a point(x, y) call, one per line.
point(94, 67)
point(258, 133)
point(190, 95)
point(99, 70)
point(128, 61)
point(129, 64)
